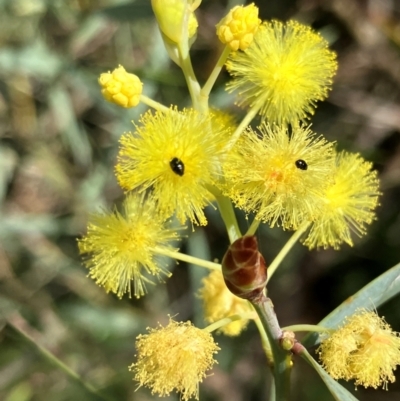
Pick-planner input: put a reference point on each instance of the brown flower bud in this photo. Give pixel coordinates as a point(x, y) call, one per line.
point(244, 269)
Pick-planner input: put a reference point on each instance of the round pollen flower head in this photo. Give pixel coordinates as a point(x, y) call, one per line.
point(177, 154)
point(175, 357)
point(121, 248)
point(364, 349)
point(285, 70)
point(121, 88)
point(238, 27)
point(278, 176)
point(219, 302)
point(348, 203)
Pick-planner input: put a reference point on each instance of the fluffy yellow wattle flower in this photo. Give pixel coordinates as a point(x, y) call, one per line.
point(278, 176)
point(285, 70)
point(171, 16)
point(121, 248)
point(175, 357)
point(364, 349)
point(177, 154)
point(219, 302)
point(121, 87)
point(348, 203)
point(238, 27)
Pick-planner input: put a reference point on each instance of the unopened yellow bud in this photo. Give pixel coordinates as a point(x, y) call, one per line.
point(170, 15)
point(238, 27)
point(121, 88)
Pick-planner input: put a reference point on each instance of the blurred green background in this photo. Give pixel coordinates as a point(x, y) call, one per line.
point(58, 143)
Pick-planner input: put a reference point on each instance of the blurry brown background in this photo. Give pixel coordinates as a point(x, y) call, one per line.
point(58, 142)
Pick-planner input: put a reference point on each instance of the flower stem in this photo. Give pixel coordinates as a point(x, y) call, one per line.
point(306, 327)
point(206, 89)
point(57, 362)
point(285, 250)
point(188, 258)
point(253, 227)
point(152, 103)
point(265, 342)
point(225, 321)
point(191, 80)
point(242, 126)
point(281, 358)
point(229, 217)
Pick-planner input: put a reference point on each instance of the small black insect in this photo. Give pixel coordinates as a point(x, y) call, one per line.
point(177, 166)
point(301, 164)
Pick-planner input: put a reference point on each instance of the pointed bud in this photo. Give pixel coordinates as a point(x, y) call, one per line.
point(171, 16)
point(244, 269)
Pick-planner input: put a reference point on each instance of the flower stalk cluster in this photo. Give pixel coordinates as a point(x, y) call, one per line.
point(175, 163)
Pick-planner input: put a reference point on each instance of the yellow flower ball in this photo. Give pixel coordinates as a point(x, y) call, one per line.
point(238, 27)
point(279, 177)
point(121, 248)
point(174, 357)
point(364, 349)
point(177, 155)
point(347, 205)
point(287, 68)
point(121, 88)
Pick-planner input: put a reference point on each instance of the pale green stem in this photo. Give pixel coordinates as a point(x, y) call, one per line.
point(229, 217)
point(265, 342)
point(227, 320)
point(57, 363)
point(187, 258)
point(306, 327)
point(242, 126)
point(253, 227)
point(191, 80)
point(205, 91)
point(285, 250)
point(272, 390)
point(281, 359)
point(152, 103)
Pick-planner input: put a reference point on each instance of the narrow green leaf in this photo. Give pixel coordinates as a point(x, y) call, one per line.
point(373, 295)
point(338, 392)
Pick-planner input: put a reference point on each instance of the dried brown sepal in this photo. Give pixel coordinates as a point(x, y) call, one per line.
point(244, 269)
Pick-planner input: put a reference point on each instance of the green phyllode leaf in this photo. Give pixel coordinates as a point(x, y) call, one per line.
point(338, 392)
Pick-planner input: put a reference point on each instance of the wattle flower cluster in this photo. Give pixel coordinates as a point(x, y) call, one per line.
point(174, 164)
